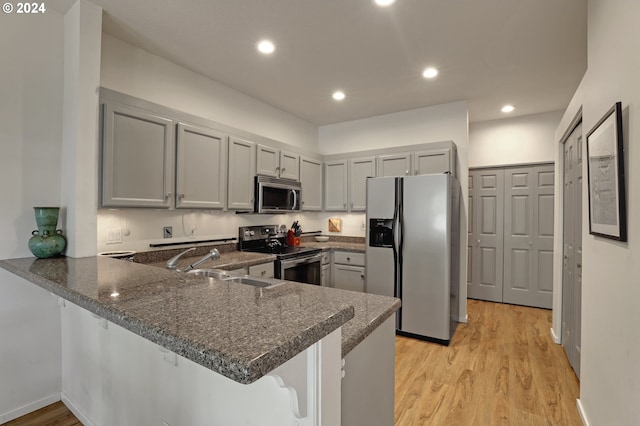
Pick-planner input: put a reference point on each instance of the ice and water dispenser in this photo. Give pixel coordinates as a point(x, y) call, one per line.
point(380, 232)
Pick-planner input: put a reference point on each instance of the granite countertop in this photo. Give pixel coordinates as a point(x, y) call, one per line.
point(236, 330)
point(338, 245)
point(227, 261)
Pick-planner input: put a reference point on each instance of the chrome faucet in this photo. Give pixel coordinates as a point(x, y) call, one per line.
point(213, 254)
point(171, 263)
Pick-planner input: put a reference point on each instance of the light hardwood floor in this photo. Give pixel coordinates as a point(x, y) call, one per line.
point(502, 368)
point(55, 414)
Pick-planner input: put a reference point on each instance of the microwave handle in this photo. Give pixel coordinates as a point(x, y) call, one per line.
point(295, 199)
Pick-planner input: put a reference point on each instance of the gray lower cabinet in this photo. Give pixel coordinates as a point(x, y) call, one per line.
point(201, 168)
point(348, 270)
point(241, 174)
point(325, 269)
point(510, 252)
point(368, 383)
point(264, 270)
point(311, 181)
point(137, 158)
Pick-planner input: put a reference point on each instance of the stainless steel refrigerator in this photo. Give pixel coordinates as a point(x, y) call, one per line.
point(412, 247)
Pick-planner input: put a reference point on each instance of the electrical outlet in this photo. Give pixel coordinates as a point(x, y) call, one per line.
point(362, 227)
point(114, 236)
point(168, 231)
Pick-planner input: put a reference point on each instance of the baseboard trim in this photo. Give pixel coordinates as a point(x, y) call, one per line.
point(29, 408)
point(583, 415)
point(76, 412)
point(464, 319)
point(555, 338)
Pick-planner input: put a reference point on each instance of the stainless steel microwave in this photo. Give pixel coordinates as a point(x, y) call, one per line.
point(274, 195)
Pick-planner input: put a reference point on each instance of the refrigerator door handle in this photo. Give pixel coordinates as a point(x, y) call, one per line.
point(397, 248)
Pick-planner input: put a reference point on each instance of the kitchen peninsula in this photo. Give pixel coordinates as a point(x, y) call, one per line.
point(202, 339)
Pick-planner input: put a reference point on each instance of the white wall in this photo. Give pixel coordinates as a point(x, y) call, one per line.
point(31, 76)
point(136, 72)
point(610, 372)
point(30, 348)
point(145, 226)
point(79, 180)
point(430, 124)
point(518, 140)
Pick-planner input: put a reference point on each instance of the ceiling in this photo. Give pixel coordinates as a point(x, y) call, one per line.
point(531, 53)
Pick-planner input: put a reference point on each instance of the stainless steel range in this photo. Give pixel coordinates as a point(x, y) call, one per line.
point(301, 264)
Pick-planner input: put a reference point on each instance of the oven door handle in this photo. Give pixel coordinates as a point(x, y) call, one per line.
point(295, 262)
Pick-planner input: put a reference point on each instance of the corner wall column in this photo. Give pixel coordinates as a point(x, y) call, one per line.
point(79, 163)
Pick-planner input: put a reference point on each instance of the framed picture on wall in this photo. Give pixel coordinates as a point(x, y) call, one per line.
point(605, 165)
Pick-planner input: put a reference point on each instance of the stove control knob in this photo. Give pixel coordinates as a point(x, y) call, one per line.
point(246, 233)
point(252, 233)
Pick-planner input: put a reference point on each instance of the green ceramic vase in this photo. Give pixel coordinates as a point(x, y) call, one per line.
point(47, 241)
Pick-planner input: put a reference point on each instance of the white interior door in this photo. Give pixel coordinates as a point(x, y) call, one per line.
point(528, 236)
point(485, 250)
point(572, 249)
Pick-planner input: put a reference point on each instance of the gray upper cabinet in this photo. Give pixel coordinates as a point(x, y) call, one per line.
point(335, 187)
point(268, 161)
point(137, 156)
point(359, 170)
point(273, 162)
point(433, 161)
point(289, 165)
point(201, 172)
point(394, 165)
point(241, 172)
point(311, 180)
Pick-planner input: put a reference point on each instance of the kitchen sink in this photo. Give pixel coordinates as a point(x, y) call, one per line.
point(220, 274)
point(256, 282)
point(211, 273)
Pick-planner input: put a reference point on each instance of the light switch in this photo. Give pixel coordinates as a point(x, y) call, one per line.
point(114, 236)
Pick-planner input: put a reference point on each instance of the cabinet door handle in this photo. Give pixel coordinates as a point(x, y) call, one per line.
point(167, 195)
point(417, 172)
point(180, 196)
point(277, 168)
point(406, 172)
point(348, 259)
point(352, 204)
point(345, 205)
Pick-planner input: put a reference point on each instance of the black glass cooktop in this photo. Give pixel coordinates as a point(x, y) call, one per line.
point(286, 252)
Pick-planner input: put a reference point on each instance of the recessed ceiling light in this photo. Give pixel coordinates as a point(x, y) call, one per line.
point(338, 95)
point(114, 294)
point(384, 3)
point(507, 108)
point(430, 72)
point(266, 47)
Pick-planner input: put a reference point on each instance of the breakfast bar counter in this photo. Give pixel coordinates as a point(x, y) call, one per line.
point(236, 330)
